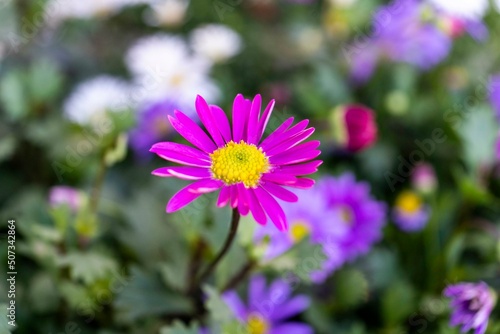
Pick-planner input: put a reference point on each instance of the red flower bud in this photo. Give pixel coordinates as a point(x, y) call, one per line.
point(354, 127)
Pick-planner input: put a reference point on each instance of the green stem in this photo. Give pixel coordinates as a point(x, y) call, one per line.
point(98, 183)
point(235, 220)
point(240, 276)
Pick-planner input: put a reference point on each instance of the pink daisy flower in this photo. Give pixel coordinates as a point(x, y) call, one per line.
point(250, 173)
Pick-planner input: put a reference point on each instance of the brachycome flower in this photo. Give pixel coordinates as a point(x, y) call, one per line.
point(410, 213)
point(268, 308)
point(472, 304)
point(249, 171)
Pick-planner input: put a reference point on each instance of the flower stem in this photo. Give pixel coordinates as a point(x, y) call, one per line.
point(235, 220)
point(98, 183)
point(240, 276)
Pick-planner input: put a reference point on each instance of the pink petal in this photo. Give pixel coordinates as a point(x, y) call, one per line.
point(185, 173)
point(272, 208)
point(188, 194)
point(294, 130)
point(303, 183)
point(242, 199)
point(179, 148)
point(241, 108)
point(302, 169)
point(289, 143)
point(253, 119)
point(257, 212)
point(279, 178)
point(300, 153)
point(264, 120)
point(279, 130)
point(224, 196)
point(188, 129)
point(183, 159)
point(280, 192)
point(234, 196)
point(208, 120)
point(222, 122)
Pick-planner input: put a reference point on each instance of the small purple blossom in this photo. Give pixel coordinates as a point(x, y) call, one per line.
point(153, 126)
point(338, 213)
point(471, 304)
point(401, 34)
point(494, 90)
point(410, 214)
point(268, 308)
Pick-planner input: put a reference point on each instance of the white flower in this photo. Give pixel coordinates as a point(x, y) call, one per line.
point(59, 10)
point(464, 9)
point(215, 42)
point(90, 100)
point(167, 12)
point(164, 67)
point(497, 5)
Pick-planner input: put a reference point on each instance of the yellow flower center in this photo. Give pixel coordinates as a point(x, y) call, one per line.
point(257, 325)
point(409, 202)
point(239, 162)
point(299, 231)
point(346, 215)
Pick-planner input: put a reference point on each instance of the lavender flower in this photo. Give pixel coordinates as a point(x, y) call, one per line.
point(153, 125)
point(472, 304)
point(338, 213)
point(494, 89)
point(402, 34)
point(268, 308)
point(410, 214)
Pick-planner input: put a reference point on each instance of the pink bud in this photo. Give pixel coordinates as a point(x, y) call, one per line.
point(355, 127)
point(63, 195)
point(424, 178)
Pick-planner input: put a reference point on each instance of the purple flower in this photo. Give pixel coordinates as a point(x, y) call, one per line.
point(410, 214)
point(268, 308)
point(495, 94)
point(153, 125)
point(64, 195)
point(472, 304)
point(497, 150)
point(339, 214)
point(401, 34)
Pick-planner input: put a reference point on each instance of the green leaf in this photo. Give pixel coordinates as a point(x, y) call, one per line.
point(43, 293)
point(179, 328)
point(479, 133)
point(118, 152)
point(398, 301)
point(351, 288)
point(12, 95)
point(4, 321)
point(145, 295)
point(219, 310)
point(45, 80)
point(7, 147)
point(89, 267)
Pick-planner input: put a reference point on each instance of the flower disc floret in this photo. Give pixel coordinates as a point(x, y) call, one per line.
point(239, 162)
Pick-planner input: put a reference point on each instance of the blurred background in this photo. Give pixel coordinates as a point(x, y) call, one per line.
point(405, 99)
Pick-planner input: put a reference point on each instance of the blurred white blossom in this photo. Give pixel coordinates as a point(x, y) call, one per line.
point(91, 99)
point(215, 42)
point(60, 10)
point(164, 67)
point(465, 9)
point(166, 12)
